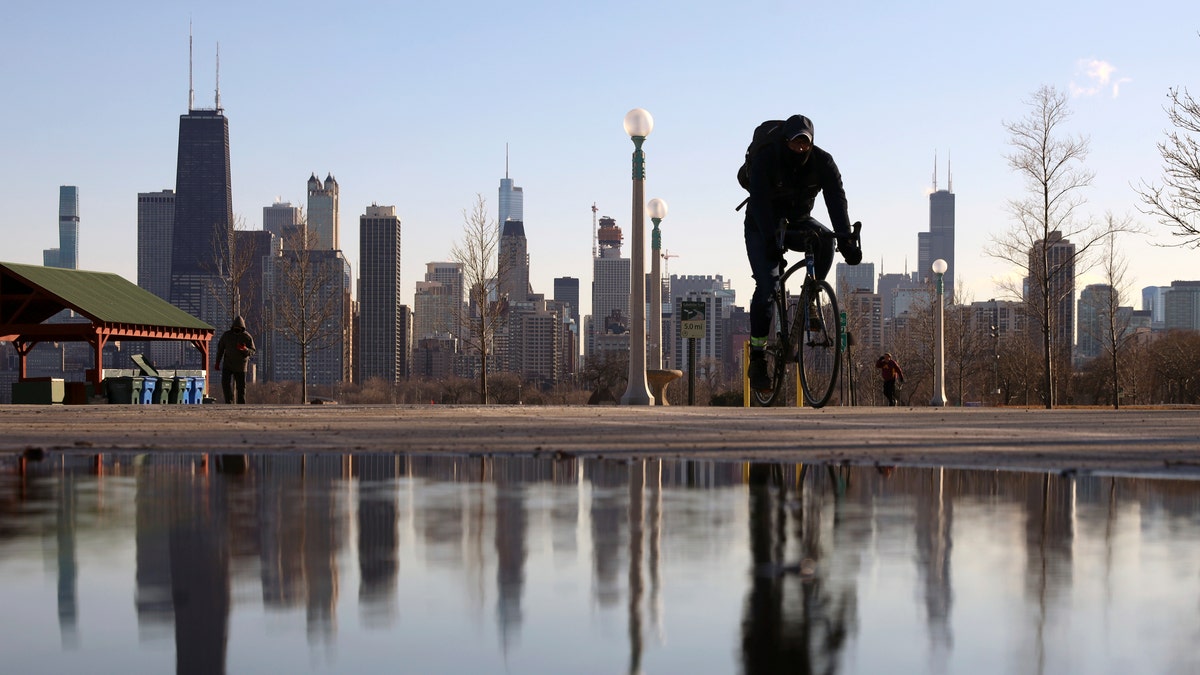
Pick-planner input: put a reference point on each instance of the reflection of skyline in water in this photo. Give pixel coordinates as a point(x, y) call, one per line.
point(805, 561)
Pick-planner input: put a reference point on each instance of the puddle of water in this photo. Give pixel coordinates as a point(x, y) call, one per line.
point(350, 564)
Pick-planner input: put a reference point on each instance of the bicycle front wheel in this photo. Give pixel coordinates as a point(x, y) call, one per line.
point(816, 329)
point(778, 353)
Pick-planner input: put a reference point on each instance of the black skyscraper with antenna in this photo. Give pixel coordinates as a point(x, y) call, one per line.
point(203, 209)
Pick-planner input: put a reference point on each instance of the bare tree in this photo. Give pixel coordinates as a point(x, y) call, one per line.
point(478, 253)
point(309, 300)
point(1115, 332)
point(1176, 202)
point(1051, 165)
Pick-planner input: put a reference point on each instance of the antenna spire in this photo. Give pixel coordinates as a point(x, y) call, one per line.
point(191, 91)
point(935, 170)
point(949, 176)
point(506, 160)
point(218, 76)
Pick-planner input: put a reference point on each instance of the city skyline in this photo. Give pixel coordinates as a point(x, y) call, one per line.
point(882, 125)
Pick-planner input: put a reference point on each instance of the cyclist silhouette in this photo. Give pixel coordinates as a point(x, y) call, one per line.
point(784, 176)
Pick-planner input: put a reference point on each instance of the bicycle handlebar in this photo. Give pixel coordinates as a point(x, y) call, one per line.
point(822, 233)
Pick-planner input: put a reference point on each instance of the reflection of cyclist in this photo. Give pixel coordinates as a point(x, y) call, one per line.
point(784, 176)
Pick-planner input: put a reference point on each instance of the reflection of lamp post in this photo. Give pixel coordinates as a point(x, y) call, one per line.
point(638, 124)
point(939, 347)
point(657, 209)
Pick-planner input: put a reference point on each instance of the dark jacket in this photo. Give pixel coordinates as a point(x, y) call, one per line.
point(785, 183)
point(235, 348)
point(889, 369)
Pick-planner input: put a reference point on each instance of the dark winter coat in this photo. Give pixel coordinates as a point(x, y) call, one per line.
point(235, 348)
point(783, 183)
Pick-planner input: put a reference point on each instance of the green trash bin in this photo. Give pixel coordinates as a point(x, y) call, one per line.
point(138, 381)
point(119, 389)
point(176, 388)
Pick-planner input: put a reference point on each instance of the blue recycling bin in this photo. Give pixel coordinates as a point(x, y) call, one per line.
point(194, 393)
point(146, 394)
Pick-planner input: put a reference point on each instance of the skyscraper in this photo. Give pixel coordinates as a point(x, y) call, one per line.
point(512, 198)
point(1095, 303)
point(381, 348)
point(938, 242)
point(514, 261)
point(438, 302)
point(203, 214)
point(323, 220)
point(66, 256)
point(284, 221)
point(1058, 271)
point(566, 291)
point(610, 285)
point(155, 221)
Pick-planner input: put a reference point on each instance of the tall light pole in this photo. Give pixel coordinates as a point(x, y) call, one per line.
point(939, 339)
point(657, 209)
point(638, 124)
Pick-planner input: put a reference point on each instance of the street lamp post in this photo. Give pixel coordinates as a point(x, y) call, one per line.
point(939, 346)
point(638, 124)
point(657, 209)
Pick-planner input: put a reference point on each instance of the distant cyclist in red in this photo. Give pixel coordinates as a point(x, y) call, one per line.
point(890, 371)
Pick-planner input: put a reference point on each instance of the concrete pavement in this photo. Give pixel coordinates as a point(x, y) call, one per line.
point(1136, 440)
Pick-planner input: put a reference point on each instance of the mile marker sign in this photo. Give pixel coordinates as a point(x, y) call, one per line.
point(691, 320)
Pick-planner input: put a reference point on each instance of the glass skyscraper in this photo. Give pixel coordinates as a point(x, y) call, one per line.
point(512, 201)
point(66, 256)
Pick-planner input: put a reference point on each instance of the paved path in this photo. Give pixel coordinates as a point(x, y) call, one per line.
point(1154, 441)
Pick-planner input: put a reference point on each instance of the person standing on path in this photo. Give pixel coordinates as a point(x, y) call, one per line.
point(233, 352)
point(890, 371)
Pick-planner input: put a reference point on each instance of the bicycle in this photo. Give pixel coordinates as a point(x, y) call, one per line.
point(806, 331)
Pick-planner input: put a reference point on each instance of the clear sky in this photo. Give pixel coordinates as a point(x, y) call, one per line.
point(412, 105)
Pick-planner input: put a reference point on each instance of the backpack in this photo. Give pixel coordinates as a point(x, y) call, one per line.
point(767, 132)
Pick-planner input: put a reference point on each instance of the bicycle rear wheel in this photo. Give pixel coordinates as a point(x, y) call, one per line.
point(778, 354)
point(815, 328)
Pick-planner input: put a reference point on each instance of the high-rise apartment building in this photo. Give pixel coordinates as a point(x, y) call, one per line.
point(610, 286)
point(155, 221)
point(382, 352)
point(850, 278)
point(1057, 268)
point(203, 215)
point(309, 313)
point(438, 305)
point(323, 220)
point(711, 348)
point(514, 261)
point(534, 342)
point(938, 242)
point(1181, 306)
point(1095, 302)
point(66, 256)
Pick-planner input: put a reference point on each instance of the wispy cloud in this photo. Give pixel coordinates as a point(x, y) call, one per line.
point(1098, 76)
